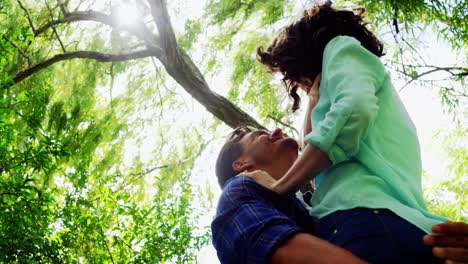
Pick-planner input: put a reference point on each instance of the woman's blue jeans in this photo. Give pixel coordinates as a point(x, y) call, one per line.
point(376, 235)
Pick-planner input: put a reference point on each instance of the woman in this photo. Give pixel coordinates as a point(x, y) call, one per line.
point(362, 148)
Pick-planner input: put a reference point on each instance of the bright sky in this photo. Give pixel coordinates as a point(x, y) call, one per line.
point(422, 104)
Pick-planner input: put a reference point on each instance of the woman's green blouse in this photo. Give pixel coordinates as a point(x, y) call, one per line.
point(361, 123)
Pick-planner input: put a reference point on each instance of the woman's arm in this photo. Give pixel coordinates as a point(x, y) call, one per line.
point(305, 168)
point(307, 123)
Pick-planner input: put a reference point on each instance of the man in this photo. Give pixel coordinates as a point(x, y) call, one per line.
point(255, 225)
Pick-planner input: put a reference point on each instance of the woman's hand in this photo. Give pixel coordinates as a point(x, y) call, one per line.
point(313, 92)
point(313, 95)
point(261, 177)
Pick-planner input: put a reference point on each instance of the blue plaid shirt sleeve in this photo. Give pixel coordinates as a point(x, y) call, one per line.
point(248, 228)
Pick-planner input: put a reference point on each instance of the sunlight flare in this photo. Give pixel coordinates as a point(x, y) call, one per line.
point(127, 14)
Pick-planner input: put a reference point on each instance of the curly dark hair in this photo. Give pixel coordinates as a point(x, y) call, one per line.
point(297, 51)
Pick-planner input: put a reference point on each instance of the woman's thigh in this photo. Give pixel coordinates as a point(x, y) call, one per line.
point(376, 235)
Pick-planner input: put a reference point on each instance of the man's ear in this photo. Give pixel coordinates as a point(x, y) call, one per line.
point(242, 164)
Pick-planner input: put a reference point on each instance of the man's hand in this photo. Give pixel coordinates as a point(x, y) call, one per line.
point(450, 241)
point(261, 177)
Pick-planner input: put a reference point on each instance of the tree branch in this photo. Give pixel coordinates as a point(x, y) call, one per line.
point(63, 6)
point(18, 49)
point(84, 55)
point(59, 40)
point(449, 69)
point(89, 15)
point(105, 243)
point(395, 37)
point(284, 124)
point(54, 29)
point(139, 175)
point(463, 72)
point(180, 66)
point(165, 30)
point(176, 61)
point(149, 170)
point(413, 78)
point(28, 17)
point(141, 30)
point(454, 92)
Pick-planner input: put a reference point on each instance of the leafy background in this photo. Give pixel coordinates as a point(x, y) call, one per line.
point(112, 162)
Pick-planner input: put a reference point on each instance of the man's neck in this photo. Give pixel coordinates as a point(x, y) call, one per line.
point(276, 170)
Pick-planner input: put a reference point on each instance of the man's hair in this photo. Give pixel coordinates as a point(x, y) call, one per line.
point(230, 152)
point(297, 51)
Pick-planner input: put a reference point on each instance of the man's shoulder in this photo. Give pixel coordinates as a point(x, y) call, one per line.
point(242, 190)
point(238, 192)
point(239, 181)
point(248, 227)
point(238, 189)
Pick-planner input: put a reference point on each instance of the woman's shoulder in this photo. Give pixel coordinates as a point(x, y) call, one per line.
point(345, 54)
point(348, 48)
point(342, 42)
point(343, 39)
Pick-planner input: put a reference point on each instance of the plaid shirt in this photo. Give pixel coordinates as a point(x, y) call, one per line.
point(252, 222)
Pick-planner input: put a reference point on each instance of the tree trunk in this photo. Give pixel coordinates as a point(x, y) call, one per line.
point(183, 70)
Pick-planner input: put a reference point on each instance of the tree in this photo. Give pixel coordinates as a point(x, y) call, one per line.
point(163, 46)
point(65, 194)
point(447, 198)
point(79, 84)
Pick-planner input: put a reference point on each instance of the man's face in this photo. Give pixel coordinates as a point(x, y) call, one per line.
point(265, 147)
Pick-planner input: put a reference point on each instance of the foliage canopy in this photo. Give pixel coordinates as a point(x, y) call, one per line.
point(98, 146)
